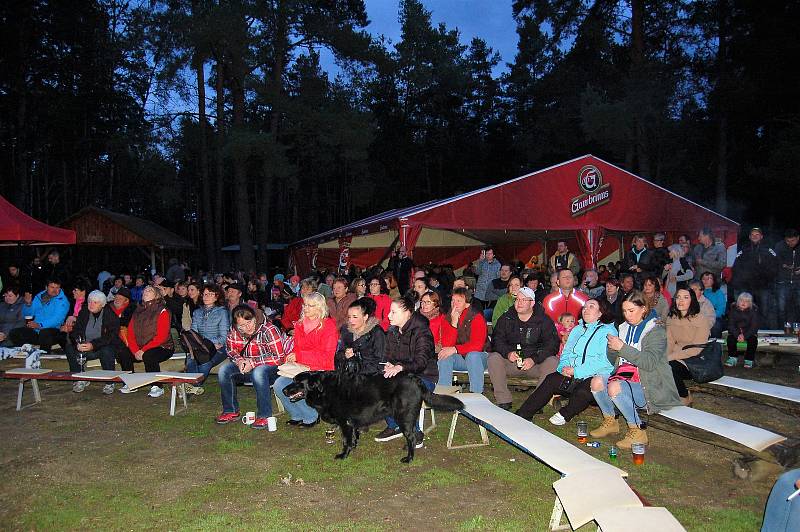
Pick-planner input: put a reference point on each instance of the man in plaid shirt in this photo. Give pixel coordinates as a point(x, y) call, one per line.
point(256, 350)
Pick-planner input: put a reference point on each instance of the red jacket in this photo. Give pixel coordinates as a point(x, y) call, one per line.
point(162, 333)
point(317, 348)
point(477, 333)
point(556, 304)
point(383, 304)
point(291, 313)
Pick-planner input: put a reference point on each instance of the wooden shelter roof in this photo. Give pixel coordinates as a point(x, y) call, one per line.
point(100, 227)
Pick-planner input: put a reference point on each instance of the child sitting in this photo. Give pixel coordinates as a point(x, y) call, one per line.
point(742, 327)
point(566, 322)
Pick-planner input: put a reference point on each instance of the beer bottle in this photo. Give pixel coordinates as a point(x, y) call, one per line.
point(520, 356)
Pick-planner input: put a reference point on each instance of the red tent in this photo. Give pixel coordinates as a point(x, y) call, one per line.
point(592, 204)
point(16, 227)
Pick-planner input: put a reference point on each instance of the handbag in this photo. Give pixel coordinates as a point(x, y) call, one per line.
point(201, 349)
point(568, 384)
point(707, 366)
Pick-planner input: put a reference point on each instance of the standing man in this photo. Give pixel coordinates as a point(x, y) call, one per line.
point(525, 325)
point(660, 254)
point(488, 269)
point(788, 281)
point(754, 271)
point(565, 299)
point(564, 259)
point(639, 260)
point(708, 256)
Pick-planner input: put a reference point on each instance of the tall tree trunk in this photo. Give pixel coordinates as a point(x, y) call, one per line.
point(241, 197)
point(723, 86)
point(206, 212)
point(21, 147)
point(638, 76)
point(219, 233)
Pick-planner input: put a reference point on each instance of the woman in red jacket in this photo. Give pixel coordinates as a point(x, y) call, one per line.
point(292, 311)
point(149, 340)
point(380, 294)
point(315, 339)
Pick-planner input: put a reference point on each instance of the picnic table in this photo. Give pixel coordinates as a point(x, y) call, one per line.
point(177, 381)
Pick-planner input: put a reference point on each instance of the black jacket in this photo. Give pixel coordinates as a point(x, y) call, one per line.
point(370, 347)
point(110, 331)
point(645, 261)
point(537, 336)
point(412, 347)
point(787, 257)
point(744, 322)
point(755, 267)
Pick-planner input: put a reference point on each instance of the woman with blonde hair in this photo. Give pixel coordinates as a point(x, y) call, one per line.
point(315, 340)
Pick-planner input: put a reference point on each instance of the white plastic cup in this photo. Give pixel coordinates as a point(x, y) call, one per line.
point(249, 418)
point(272, 424)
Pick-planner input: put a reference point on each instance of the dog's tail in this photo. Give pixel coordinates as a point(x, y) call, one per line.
point(440, 402)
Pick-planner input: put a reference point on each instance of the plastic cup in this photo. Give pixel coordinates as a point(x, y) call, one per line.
point(583, 431)
point(638, 450)
point(272, 424)
point(612, 452)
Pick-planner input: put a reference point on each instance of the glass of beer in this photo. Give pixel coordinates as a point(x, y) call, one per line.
point(787, 328)
point(28, 319)
point(583, 431)
point(638, 450)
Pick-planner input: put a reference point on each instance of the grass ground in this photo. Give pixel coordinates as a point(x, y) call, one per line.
point(121, 463)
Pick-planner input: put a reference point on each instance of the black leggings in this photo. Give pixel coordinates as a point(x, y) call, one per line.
point(579, 400)
point(680, 373)
point(752, 343)
point(152, 359)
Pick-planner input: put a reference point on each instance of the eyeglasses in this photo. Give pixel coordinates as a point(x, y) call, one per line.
point(525, 299)
point(423, 302)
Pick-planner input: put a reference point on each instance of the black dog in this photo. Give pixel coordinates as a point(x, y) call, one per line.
point(356, 401)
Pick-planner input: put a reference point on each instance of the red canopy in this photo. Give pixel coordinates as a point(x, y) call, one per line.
point(586, 201)
point(16, 227)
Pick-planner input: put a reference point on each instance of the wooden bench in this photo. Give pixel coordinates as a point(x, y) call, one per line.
point(26, 375)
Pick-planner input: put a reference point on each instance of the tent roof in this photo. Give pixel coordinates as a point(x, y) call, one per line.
point(543, 201)
point(96, 226)
point(16, 227)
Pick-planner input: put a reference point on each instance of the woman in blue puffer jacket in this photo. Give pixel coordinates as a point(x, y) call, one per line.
point(212, 321)
point(584, 356)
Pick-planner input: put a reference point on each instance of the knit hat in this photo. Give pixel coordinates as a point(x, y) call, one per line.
point(278, 277)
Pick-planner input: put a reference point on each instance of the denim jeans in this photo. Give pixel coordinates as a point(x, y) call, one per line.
point(193, 367)
point(781, 515)
point(262, 378)
point(105, 354)
point(788, 299)
point(392, 424)
point(475, 363)
point(299, 411)
point(624, 402)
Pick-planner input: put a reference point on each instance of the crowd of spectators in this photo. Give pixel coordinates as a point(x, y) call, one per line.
point(615, 336)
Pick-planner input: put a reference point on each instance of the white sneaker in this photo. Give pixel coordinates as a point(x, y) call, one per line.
point(125, 389)
point(557, 419)
point(156, 391)
point(79, 386)
point(108, 389)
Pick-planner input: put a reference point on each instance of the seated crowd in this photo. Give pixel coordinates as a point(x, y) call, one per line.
point(618, 337)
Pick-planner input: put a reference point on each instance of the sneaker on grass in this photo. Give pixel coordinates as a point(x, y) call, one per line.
point(731, 362)
point(125, 389)
point(227, 417)
point(388, 434)
point(748, 364)
point(156, 391)
point(420, 440)
point(108, 389)
point(557, 419)
point(79, 386)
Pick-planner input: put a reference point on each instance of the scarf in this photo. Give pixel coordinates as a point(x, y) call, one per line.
point(94, 326)
point(634, 333)
point(146, 319)
point(78, 306)
point(433, 314)
point(638, 254)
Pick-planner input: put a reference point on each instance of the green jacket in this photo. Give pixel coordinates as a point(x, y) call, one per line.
point(505, 302)
point(654, 371)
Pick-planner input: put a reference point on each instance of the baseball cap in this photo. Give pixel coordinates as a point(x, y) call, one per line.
point(528, 293)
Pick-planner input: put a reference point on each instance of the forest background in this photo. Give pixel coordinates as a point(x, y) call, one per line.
point(220, 121)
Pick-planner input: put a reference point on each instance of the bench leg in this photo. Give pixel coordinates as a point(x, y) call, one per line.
point(484, 436)
point(555, 518)
point(37, 396)
point(432, 426)
point(281, 408)
point(173, 398)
